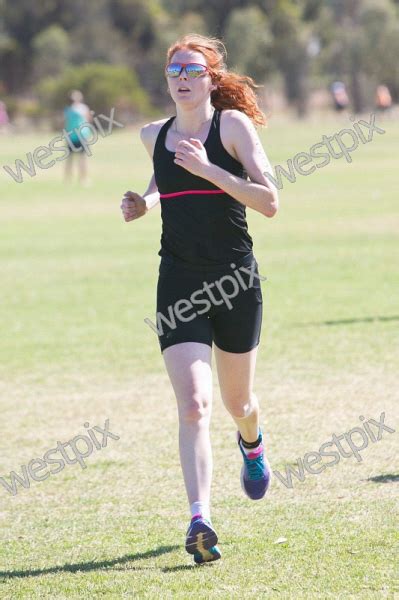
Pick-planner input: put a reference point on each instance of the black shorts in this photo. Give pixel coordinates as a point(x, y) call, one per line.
point(77, 145)
point(228, 310)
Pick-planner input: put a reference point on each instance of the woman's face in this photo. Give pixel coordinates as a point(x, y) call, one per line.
point(199, 87)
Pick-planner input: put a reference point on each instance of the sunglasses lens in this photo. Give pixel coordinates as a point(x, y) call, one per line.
point(173, 70)
point(195, 70)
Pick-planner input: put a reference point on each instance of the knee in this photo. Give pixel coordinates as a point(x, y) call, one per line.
point(241, 406)
point(197, 407)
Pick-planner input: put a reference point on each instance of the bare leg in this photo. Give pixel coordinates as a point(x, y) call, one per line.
point(68, 168)
point(83, 175)
point(190, 371)
point(236, 376)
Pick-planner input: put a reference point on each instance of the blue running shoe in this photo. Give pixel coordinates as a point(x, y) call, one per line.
point(201, 540)
point(255, 472)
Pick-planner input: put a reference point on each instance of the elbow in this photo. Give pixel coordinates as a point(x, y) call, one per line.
point(271, 211)
point(271, 206)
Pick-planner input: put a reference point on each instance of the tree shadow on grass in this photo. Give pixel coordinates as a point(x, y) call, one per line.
point(89, 566)
point(388, 478)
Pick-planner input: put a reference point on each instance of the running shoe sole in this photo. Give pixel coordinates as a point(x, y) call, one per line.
point(207, 555)
point(201, 538)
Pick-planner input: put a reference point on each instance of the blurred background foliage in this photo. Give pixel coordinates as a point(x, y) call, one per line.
point(114, 50)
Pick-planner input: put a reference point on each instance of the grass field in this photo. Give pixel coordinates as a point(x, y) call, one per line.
point(77, 283)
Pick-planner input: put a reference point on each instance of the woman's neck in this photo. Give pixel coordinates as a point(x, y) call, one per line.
point(190, 122)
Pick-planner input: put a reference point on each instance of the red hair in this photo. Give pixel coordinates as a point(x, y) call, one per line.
point(233, 90)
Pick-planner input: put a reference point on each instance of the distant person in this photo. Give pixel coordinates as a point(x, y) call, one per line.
point(383, 98)
point(75, 115)
point(4, 120)
point(340, 96)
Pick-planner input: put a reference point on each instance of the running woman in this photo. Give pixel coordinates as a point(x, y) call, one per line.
point(202, 158)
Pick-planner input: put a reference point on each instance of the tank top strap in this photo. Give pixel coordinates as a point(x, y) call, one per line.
point(160, 141)
point(214, 133)
point(216, 122)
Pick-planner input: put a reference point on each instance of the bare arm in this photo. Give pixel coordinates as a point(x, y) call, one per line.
point(133, 204)
point(151, 195)
point(148, 136)
point(88, 115)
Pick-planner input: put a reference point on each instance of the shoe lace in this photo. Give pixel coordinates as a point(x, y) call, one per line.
point(255, 467)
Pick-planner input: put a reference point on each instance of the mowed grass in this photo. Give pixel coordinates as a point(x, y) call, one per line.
point(77, 283)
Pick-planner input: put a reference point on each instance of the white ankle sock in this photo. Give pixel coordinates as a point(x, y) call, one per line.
point(202, 508)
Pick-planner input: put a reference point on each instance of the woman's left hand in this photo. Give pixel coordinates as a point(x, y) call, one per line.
point(191, 155)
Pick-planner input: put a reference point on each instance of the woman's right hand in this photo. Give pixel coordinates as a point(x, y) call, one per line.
point(133, 206)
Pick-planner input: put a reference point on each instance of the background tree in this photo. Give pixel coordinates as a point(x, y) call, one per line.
point(51, 50)
point(249, 42)
point(266, 39)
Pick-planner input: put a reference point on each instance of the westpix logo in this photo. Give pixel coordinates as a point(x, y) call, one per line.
point(356, 438)
point(81, 447)
point(42, 153)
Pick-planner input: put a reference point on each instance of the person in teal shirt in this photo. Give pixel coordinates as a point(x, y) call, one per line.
point(75, 114)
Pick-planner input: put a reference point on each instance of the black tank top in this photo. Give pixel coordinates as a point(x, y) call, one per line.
point(201, 224)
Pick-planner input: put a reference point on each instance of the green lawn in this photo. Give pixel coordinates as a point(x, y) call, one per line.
point(77, 283)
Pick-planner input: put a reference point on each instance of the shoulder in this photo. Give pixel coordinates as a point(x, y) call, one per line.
point(80, 108)
point(235, 118)
point(235, 128)
point(235, 125)
point(151, 129)
point(149, 134)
